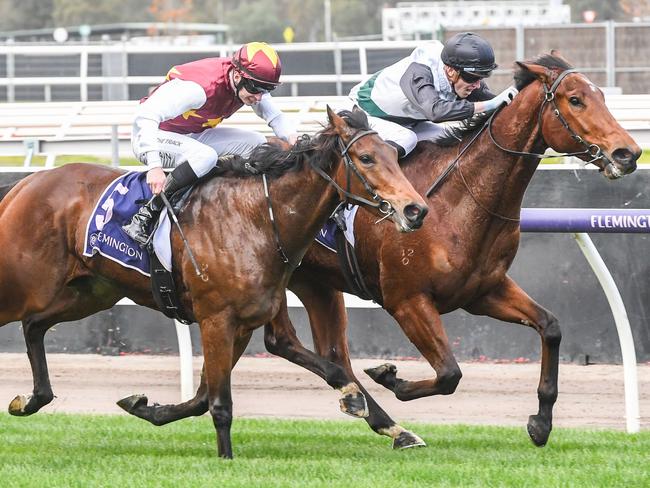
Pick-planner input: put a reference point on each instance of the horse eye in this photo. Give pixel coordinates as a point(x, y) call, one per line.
point(574, 101)
point(366, 159)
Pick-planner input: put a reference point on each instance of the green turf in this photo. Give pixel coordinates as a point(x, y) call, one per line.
point(56, 450)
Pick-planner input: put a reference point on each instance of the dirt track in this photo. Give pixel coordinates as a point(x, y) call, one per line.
point(499, 394)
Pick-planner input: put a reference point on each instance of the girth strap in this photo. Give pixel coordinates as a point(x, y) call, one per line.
point(348, 259)
point(164, 290)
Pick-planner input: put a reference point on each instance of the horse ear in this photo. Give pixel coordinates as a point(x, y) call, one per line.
point(541, 73)
point(331, 116)
point(558, 54)
point(337, 122)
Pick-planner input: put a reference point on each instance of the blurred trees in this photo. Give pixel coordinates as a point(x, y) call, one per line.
point(78, 12)
point(605, 9)
point(251, 19)
point(25, 14)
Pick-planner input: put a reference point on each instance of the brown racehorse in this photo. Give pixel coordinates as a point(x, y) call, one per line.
point(46, 280)
point(460, 257)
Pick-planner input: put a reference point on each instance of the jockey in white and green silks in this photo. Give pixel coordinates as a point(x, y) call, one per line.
point(436, 83)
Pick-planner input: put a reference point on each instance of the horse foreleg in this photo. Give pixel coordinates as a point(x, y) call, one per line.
point(420, 321)
point(328, 320)
point(156, 414)
point(511, 304)
point(218, 339)
point(281, 339)
point(27, 404)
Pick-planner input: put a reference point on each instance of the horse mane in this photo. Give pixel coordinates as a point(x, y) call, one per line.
point(455, 133)
point(274, 160)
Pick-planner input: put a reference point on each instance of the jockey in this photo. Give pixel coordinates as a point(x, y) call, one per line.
point(176, 126)
point(436, 83)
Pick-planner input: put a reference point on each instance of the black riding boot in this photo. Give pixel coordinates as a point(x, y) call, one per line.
point(138, 228)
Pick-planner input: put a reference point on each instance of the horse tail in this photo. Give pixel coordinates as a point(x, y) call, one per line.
point(4, 189)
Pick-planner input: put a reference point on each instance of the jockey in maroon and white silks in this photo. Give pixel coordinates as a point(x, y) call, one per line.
point(193, 100)
point(177, 126)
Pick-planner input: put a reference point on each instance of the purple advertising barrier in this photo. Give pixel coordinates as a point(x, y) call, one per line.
point(590, 220)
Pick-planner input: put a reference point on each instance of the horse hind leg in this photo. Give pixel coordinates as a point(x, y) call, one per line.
point(328, 320)
point(27, 404)
point(280, 338)
point(72, 303)
point(511, 304)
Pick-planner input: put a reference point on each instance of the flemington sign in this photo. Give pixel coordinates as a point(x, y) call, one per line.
point(592, 220)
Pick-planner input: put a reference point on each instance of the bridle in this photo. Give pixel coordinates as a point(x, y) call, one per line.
point(593, 150)
point(379, 203)
point(382, 205)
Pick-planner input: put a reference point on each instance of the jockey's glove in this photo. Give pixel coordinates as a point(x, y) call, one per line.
point(505, 97)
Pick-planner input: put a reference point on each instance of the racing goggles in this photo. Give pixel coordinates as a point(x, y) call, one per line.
point(470, 77)
point(255, 87)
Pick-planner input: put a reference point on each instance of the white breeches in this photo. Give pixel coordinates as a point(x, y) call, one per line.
point(201, 150)
point(405, 136)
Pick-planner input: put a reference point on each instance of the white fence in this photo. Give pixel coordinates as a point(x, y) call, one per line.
point(104, 128)
point(122, 51)
point(613, 54)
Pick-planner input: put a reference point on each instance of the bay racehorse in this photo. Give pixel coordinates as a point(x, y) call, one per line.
point(247, 242)
point(459, 259)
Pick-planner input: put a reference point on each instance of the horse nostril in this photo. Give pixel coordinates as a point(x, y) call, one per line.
point(623, 156)
point(626, 159)
point(415, 213)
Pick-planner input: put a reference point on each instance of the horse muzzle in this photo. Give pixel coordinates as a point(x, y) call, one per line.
point(621, 162)
point(414, 215)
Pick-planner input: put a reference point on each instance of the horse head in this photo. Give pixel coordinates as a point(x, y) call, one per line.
point(369, 169)
point(574, 119)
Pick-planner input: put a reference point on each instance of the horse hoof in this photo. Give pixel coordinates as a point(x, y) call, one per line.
point(385, 375)
point(354, 404)
point(18, 405)
point(538, 430)
point(133, 402)
point(406, 440)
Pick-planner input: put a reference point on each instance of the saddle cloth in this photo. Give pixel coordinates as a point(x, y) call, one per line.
point(327, 235)
point(114, 209)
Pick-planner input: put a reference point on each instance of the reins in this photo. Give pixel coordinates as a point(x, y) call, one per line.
point(593, 150)
point(379, 203)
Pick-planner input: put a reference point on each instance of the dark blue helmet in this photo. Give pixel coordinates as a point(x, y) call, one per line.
point(469, 52)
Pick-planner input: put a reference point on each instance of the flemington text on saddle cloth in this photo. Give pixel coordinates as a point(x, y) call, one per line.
point(115, 208)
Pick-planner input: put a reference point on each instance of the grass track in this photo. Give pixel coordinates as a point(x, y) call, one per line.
point(57, 450)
